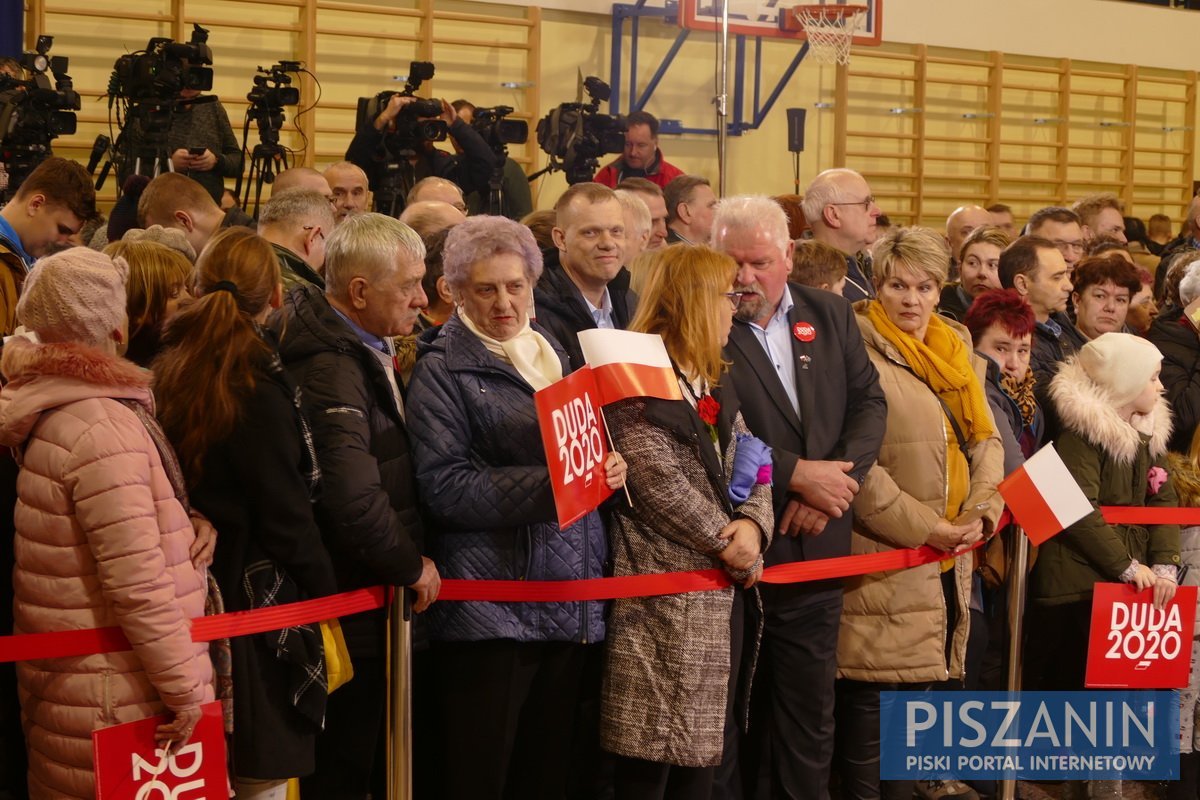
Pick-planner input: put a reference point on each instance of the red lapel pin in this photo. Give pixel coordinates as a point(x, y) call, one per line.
point(804, 331)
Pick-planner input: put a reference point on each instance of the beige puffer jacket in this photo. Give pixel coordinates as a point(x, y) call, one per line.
point(100, 541)
point(894, 624)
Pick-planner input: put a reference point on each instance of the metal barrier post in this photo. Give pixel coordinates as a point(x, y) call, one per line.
point(1017, 568)
point(399, 707)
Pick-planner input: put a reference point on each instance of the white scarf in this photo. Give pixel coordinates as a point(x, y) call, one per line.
point(528, 352)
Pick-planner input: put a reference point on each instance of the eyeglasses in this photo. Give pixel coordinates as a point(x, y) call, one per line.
point(734, 298)
point(1076, 246)
point(866, 203)
point(317, 228)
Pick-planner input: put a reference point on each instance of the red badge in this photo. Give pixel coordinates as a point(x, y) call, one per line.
point(804, 331)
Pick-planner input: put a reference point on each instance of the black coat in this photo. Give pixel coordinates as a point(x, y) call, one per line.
point(954, 302)
point(560, 308)
point(1046, 353)
point(367, 508)
point(253, 491)
point(471, 170)
point(1180, 347)
point(842, 408)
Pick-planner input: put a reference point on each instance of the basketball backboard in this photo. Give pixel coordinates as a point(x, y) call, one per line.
point(761, 17)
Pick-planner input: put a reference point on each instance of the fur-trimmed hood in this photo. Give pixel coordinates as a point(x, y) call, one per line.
point(1086, 409)
point(1186, 478)
point(46, 376)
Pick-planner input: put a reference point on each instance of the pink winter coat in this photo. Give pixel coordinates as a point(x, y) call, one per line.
point(100, 541)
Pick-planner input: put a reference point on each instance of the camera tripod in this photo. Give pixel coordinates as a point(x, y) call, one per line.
point(398, 178)
point(267, 159)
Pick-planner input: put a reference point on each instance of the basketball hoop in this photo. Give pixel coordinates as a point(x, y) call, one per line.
point(830, 30)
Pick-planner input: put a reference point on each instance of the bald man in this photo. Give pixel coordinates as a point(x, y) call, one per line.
point(959, 225)
point(840, 209)
point(427, 217)
point(351, 194)
point(439, 190)
point(302, 178)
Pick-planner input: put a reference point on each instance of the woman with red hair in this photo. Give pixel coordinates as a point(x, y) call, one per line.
point(1001, 322)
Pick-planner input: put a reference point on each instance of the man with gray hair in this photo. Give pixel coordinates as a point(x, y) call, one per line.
point(350, 187)
point(637, 224)
point(808, 389)
point(337, 347)
point(296, 222)
point(840, 209)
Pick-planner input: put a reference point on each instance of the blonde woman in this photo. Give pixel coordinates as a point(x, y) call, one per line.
point(158, 280)
point(701, 499)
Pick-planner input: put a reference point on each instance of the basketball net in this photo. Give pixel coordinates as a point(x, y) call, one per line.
point(830, 30)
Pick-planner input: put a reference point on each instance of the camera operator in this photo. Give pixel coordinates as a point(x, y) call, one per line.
point(515, 198)
point(200, 142)
point(642, 157)
point(470, 169)
point(12, 68)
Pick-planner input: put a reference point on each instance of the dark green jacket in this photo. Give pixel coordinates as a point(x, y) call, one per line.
point(1111, 460)
point(294, 271)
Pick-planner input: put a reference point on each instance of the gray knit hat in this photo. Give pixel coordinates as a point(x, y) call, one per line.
point(77, 295)
point(171, 237)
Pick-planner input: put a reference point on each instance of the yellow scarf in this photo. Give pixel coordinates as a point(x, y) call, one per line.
point(943, 362)
point(528, 352)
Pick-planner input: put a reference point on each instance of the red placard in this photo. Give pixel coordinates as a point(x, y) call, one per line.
point(572, 433)
point(130, 766)
point(1134, 646)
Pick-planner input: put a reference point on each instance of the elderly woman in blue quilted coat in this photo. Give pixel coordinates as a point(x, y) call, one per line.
point(512, 675)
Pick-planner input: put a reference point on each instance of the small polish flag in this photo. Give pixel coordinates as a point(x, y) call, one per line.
point(629, 364)
point(1043, 496)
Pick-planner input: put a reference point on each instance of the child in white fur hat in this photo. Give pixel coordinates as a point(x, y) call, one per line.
point(1116, 426)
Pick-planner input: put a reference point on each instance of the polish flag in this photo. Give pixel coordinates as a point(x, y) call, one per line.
point(628, 364)
point(1043, 496)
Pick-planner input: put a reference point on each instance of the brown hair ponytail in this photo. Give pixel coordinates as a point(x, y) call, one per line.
point(212, 345)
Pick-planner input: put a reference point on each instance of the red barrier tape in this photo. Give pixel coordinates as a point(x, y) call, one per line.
point(64, 644)
point(1133, 515)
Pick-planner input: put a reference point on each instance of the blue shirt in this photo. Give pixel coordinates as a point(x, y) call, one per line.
point(776, 340)
point(369, 339)
point(602, 316)
point(8, 233)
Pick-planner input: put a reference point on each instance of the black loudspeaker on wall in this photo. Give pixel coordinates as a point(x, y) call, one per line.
point(796, 129)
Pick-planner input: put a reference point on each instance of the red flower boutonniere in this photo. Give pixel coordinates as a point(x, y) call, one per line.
point(708, 408)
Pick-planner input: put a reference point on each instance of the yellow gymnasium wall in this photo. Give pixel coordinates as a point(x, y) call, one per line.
point(1037, 106)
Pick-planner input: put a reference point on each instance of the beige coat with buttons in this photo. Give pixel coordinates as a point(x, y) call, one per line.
point(895, 624)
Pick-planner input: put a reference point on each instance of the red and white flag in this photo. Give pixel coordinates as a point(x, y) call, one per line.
point(1043, 496)
point(628, 364)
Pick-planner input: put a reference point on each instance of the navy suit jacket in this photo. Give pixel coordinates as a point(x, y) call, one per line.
point(842, 407)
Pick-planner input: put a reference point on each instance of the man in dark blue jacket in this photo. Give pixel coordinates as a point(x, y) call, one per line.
point(337, 347)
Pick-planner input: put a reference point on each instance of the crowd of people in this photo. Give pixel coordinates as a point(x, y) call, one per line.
point(206, 412)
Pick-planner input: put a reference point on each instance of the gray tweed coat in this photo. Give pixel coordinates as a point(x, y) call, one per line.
point(667, 667)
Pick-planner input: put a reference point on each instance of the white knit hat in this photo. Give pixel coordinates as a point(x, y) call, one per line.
point(77, 295)
point(1121, 363)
